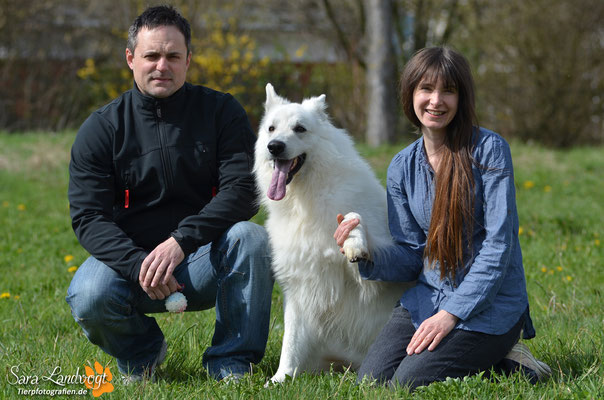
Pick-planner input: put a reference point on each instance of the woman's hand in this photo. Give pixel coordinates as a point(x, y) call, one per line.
point(431, 332)
point(343, 230)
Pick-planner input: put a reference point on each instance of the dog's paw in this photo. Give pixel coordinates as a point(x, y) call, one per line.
point(355, 246)
point(276, 379)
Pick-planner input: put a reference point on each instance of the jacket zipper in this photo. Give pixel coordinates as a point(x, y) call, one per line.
point(164, 155)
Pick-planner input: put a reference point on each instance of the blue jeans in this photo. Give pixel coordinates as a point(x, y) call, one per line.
point(459, 354)
point(233, 274)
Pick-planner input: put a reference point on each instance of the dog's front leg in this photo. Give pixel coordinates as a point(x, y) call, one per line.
point(296, 344)
point(355, 246)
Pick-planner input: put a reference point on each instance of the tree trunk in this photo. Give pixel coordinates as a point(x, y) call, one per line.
point(382, 102)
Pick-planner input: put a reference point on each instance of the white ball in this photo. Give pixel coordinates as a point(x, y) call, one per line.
point(176, 302)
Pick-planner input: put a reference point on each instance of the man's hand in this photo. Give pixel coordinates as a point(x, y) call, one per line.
point(431, 332)
point(158, 266)
point(162, 291)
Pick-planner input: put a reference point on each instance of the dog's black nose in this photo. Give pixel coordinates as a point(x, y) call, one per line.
point(276, 147)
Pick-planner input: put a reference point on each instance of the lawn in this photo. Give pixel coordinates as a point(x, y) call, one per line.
point(560, 200)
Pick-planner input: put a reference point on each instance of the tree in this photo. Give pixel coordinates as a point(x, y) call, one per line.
point(381, 73)
point(379, 36)
point(539, 68)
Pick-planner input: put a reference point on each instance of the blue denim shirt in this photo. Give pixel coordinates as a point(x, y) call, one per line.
point(489, 291)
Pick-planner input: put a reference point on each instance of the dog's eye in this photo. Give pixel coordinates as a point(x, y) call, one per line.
point(271, 128)
point(299, 129)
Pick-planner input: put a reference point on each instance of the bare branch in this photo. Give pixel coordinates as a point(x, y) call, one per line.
point(342, 37)
point(454, 18)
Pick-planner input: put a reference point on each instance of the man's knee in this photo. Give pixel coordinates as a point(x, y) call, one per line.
point(92, 300)
point(250, 237)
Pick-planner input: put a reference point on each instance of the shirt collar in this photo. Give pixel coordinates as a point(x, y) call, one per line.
point(421, 155)
point(149, 102)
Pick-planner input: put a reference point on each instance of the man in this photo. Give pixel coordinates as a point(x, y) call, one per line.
point(160, 183)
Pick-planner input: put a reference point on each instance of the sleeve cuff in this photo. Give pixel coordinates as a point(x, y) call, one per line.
point(186, 245)
point(459, 312)
point(365, 268)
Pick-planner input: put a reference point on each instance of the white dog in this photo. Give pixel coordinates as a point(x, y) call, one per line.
point(308, 171)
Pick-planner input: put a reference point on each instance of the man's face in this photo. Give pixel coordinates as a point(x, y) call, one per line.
point(160, 61)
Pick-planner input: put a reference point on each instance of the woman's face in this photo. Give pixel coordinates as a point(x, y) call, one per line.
point(435, 105)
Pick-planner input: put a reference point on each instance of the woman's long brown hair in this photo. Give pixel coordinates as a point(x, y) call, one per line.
point(451, 222)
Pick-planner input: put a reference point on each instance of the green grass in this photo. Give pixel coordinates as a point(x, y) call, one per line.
point(559, 195)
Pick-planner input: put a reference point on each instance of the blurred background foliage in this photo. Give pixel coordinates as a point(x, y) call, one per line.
point(538, 65)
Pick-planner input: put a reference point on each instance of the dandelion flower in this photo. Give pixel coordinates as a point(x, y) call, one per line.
point(520, 231)
point(559, 268)
point(569, 278)
point(16, 297)
point(529, 184)
point(547, 189)
point(5, 295)
point(543, 269)
point(21, 207)
point(301, 50)
point(72, 269)
point(597, 242)
point(68, 258)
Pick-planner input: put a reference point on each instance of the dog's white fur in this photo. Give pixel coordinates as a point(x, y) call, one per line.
point(331, 314)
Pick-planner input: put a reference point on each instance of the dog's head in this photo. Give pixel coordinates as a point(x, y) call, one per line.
point(288, 132)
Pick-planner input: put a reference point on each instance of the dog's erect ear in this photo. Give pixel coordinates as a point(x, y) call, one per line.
point(317, 104)
point(272, 98)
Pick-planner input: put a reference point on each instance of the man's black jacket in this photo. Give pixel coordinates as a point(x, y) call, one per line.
point(144, 169)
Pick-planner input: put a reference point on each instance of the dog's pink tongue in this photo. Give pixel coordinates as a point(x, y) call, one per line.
point(276, 190)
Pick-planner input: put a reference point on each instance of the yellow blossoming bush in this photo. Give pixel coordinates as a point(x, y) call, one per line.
point(226, 58)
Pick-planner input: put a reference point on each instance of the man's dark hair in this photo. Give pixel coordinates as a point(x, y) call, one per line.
point(154, 17)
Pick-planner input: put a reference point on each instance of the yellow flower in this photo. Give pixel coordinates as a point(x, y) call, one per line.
point(551, 271)
point(72, 269)
point(568, 278)
point(5, 204)
point(68, 258)
point(543, 269)
point(5, 295)
point(520, 231)
point(16, 297)
point(21, 207)
point(597, 242)
point(547, 189)
point(559, 268)
point(301, 50)
point(528, 184)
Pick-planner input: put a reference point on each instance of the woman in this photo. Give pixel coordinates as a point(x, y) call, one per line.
point(452, 214)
